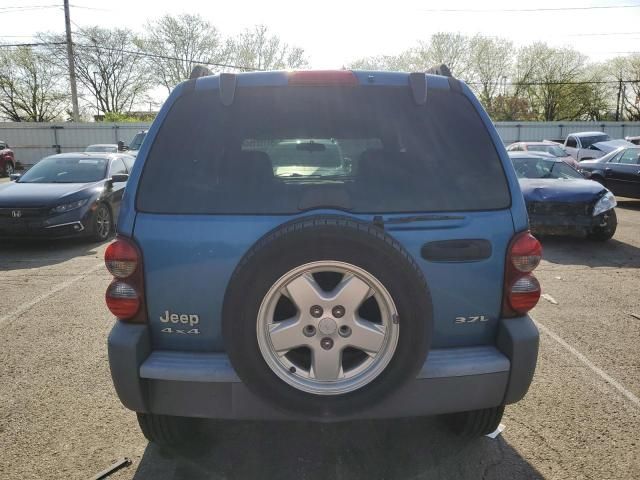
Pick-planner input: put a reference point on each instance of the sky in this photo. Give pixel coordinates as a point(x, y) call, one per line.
point(335, 32)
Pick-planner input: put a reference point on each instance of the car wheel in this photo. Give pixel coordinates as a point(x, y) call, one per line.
point(475, 423)
point(605, 232)
point(325, 316)
point(166, 430)
point(102, 223)
point(8, 169)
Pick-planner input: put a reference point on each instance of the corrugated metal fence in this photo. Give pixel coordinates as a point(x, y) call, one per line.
point(33, 141)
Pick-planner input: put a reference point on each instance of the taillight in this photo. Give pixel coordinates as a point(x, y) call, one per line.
point(323, 77)
point(125, 294)
point(122, 299)
point(521, 288)
point(121, 258)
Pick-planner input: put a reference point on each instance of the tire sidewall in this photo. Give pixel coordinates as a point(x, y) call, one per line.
point(96, 234)
point(251, 283)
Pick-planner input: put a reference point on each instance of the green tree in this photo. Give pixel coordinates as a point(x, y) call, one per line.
point(489, 66)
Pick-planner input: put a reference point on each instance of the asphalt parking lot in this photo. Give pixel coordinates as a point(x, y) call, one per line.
point(60, 417)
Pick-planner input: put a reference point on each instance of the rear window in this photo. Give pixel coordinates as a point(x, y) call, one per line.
point(283, 150)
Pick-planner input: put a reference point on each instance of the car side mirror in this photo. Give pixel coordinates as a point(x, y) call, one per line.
point(14, 177)
point(119, 177)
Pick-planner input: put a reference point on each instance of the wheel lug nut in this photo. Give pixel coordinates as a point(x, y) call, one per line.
point(338, 311)
point(309, 330)
point(326, 343)
point(344, 331)
point(316, 311)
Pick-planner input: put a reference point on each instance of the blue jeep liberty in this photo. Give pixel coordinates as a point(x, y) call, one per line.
point(325, 246)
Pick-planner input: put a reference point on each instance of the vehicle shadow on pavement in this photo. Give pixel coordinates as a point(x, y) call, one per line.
point(591, 253)
point(18, 255)
point(381, 449)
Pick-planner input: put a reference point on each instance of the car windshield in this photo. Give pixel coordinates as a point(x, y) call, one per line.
point(590, 140)
point(66, 170)
point(309, 157)
point(101, 149)
point(543, 168)
point(554, 150)
point(136, 142)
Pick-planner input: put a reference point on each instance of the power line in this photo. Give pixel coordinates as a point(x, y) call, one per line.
point(130, 52)
point(518, 10)
point(18, 7)
point(164, 57)
point(27, 9)
point(575, 82)
point(601, 34)
point(38, 44)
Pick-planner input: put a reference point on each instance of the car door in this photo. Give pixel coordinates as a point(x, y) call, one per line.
point(117, 188)
point(622, 173)
point(571, 146)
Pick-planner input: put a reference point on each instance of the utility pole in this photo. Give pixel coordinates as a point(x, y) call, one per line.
point(72, 66)
point(618, 100)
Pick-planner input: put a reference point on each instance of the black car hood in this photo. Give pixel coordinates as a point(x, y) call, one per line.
point(554, 190)
point(17, 194)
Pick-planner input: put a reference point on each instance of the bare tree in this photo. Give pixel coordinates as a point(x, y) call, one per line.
point(189, 39)
point(257, 49)
point(109, 66)
point(404, 62)
point(31, 89)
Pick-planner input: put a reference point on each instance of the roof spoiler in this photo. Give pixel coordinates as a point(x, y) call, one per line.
point(441, 69)
point(200, 71)
point(228, 83)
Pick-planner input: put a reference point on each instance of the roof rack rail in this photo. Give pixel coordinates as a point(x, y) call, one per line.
point(200, 71)
point(441, 69)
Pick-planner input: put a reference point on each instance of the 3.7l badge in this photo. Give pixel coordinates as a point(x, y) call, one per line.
point(472, 319)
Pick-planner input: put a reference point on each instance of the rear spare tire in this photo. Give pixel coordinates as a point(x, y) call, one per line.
point(325, 316)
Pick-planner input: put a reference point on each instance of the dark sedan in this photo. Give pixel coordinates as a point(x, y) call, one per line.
point(65, 195)
point(619, 171)
point(561, 201)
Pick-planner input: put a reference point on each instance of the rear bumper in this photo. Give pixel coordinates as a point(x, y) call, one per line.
point(205, 384)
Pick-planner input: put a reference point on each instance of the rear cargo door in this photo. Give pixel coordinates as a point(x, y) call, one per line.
point(217, 178)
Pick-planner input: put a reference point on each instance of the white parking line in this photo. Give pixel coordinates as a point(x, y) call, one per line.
point(601, 373)
point(61, 286)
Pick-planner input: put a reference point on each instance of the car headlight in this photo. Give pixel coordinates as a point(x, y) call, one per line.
point(65, 207)
point(607, 202)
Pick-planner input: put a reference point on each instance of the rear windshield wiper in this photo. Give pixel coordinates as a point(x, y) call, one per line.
point(379, 221)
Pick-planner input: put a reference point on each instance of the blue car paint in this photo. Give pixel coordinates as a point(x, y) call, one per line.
point(188, 259)
point(555, 190)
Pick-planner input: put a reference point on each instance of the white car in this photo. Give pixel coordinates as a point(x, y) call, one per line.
point(102, 148)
